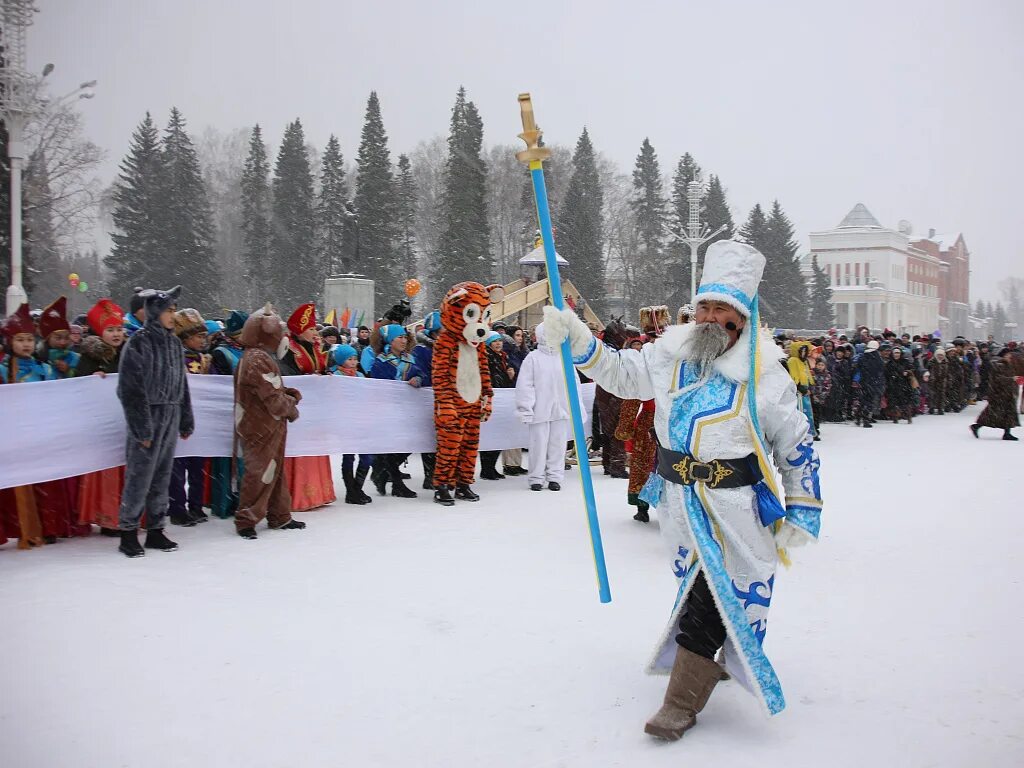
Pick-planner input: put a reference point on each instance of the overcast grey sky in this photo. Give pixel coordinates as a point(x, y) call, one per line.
point(913, 108)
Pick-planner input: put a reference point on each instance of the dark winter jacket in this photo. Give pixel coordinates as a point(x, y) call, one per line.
point(898, 391)
point(871, 368)
point(152, 372)
point(97, 355)
point(498, 364)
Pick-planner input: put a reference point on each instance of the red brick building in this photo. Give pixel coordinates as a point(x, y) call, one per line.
point(954, 280)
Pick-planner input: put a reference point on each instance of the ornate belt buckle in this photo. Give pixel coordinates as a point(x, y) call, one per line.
point(701, 472)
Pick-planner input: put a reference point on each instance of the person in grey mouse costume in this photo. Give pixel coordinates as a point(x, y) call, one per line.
point(153, 390)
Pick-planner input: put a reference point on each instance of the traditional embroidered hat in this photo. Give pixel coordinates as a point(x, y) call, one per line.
point(104, 314)
point(302, 319)
point(20, 322)
point(54, 318)
point(432, 322)
point(732, 272)
point(188, 322)
point(391, 332)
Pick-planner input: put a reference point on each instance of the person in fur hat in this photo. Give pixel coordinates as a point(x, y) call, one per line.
point(55, 345)
point(263, 409)
point(725, 410)
point(186, 508)
point(153, 390)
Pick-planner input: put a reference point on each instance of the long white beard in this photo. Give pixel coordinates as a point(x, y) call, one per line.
point(709, 342)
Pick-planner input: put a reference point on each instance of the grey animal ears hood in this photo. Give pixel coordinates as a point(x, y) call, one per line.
point(156, 301)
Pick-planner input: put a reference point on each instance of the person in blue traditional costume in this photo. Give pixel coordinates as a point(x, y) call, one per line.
point(423, 354)
point(55, 345)
point(346, 363)
point(394, 363)
point(728, 419)
point(226, 356)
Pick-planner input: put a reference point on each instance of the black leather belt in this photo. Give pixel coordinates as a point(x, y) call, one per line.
point(683, 469)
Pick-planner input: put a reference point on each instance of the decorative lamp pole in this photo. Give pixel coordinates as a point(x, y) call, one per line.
point(20, 101)
point(19, 91)
point(696, 233)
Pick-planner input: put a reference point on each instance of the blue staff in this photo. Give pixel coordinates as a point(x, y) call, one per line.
point(534, 156)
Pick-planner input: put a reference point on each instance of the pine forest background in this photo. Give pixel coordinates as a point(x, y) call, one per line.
point(239, 220)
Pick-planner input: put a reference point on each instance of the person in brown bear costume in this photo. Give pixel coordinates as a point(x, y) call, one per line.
point(263, 408)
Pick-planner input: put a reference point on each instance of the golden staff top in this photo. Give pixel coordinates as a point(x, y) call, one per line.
point(531, 134)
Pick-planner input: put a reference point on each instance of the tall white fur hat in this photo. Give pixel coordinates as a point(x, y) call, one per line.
point(732, 272)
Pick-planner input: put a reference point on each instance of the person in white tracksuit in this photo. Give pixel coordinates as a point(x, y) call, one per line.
point(542, 404)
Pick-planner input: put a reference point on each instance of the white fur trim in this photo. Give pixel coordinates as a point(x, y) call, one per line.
point(467, 375)
point(269, 472)
point(274, 379)
point(239, 414)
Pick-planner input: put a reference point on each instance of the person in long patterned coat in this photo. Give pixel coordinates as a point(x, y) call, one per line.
point(1001, 410)
point(609, 408)
point(309, 478)
point(727, 415)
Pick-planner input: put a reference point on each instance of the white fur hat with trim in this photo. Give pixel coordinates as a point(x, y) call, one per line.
point(732, 273)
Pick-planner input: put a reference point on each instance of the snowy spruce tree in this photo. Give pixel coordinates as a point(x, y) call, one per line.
point(405, 194)
point(139, 256)
point(331, 213)
point(646, 272)
point(187, 231)
point(678, 253)
point(256, 213)
point(783, 289)
point(376, 206)
point(295, 273)
point(464, 248)
point(581, 228)
point(821, 314)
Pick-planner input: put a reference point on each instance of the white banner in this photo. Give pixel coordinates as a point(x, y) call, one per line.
point(65, 428)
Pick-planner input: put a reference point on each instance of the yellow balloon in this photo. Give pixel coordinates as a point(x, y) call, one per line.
point(73, 276)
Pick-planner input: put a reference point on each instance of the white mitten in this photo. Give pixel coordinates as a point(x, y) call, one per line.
point(563, 324)
point(790, 536)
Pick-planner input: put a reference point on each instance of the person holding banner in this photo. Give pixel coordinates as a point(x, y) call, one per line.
point(723, 406)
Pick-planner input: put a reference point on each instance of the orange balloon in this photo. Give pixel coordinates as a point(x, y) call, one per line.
point(412, 287)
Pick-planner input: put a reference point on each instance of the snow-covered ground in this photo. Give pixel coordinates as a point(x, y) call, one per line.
point(405, 634)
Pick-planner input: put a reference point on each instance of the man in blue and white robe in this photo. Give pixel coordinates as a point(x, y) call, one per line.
point(724, 541)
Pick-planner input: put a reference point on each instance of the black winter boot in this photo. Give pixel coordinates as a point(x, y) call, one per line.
point(247, 533)
point(1008, 436)
point(197, 514)
point(183, 518)
point(974, 430)
point(642, 515)
point(380, 478)
point(155, 539)
point(130, 544)
point(357, 485)
point(291, 525)
point(402, 491)
point(350, 493)
point(443, 496)
point(465, 493)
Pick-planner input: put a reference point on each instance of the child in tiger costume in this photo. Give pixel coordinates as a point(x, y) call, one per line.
point(462, 387)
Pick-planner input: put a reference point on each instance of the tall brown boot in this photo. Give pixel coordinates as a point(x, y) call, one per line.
point(689, 688)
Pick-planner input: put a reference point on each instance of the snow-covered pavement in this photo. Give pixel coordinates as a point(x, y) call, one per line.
point(405, 634)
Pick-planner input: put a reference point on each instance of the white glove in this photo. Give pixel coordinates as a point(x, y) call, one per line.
point(526, 418)
point(790, 536)
point(563, 324)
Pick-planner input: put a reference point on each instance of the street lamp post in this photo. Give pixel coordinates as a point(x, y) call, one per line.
point(20, 99)
point(696, 233)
